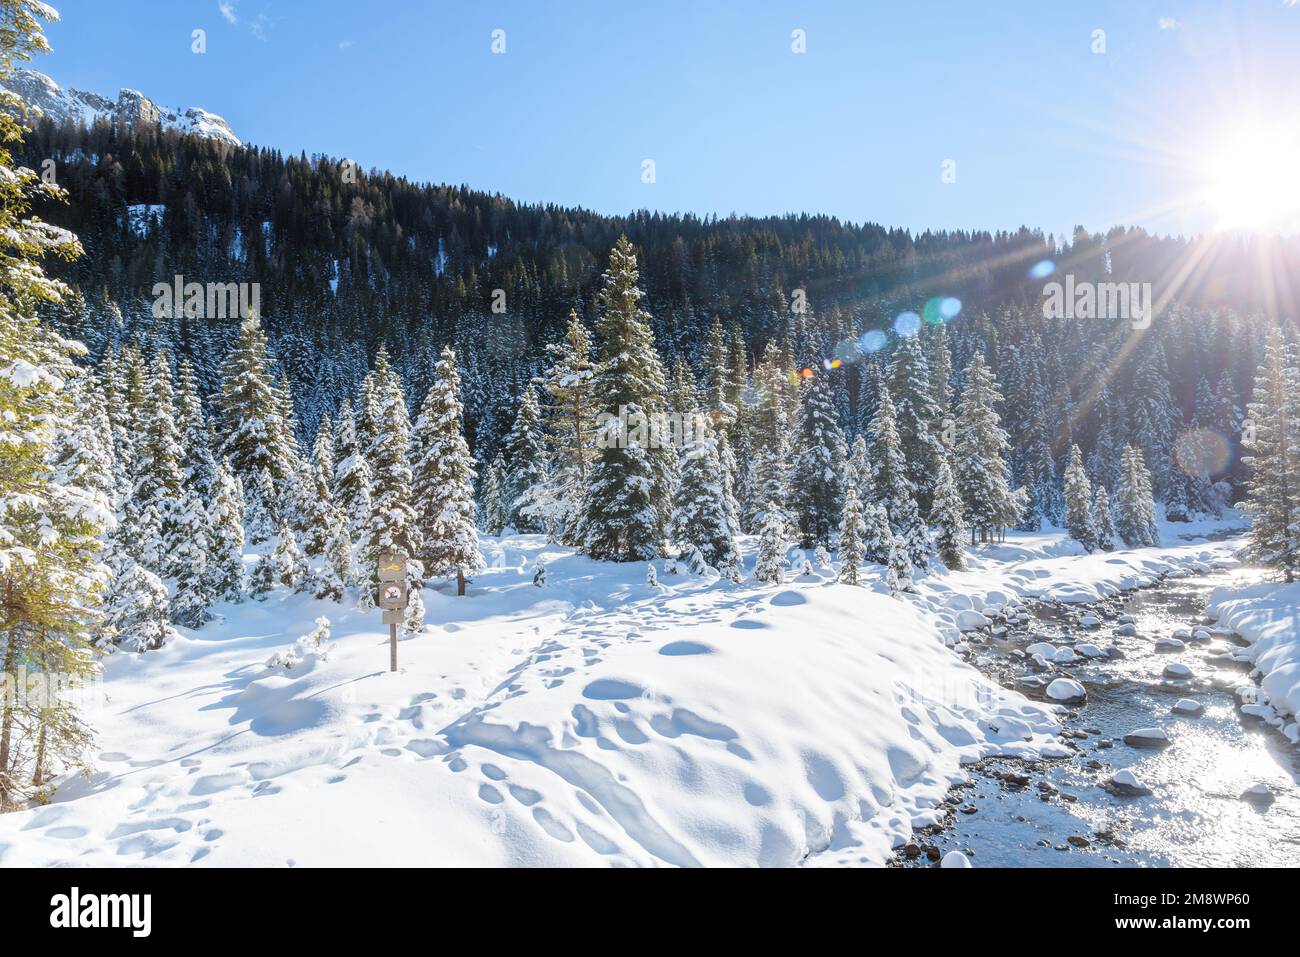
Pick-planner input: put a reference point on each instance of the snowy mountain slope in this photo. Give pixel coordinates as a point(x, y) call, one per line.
point(597, 720)
point(48, 98)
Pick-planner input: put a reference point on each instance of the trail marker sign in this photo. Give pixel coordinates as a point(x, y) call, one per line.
point(392, 598)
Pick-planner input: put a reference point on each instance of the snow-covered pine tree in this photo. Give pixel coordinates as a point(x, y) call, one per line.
point(817, 466)
point(1273, 486)
point(1079, 520)
point(352, 477)
point(1105, 519)
point(916, 416)
point(337, 571)
point(444, 480)
point(1154, 416)
point(893, 488)
point(393, 526)
point(858, 471)
point(136, 610)
point(526, 462)
point(262, 580)
point(767, 436)
point(983, 477)
point(249, 412)
point(413, 618)
point(1135, 519)
point(226, 514)
point(948, 517)
point(851, 550)
point(570, 426)
point(194, 593)
point(158, 469)
point(49, 531)
point(626, 504)
point(260, 510)
point(493, 506)
point(769, 566)
point(291, 568)
point(700, 516)
point(320, 511)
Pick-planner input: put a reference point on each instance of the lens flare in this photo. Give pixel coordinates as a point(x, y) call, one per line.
point(872, 341)
point(1203, 452)
point(949, 308)
point(907, 325)
point(1041, 270)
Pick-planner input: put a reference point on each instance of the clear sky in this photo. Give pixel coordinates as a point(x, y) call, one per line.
point(1043, 131)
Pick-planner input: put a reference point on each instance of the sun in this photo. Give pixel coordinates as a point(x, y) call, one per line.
point(1252, 179)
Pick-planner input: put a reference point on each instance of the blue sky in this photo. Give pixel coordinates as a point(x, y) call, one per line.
point(1042, 130)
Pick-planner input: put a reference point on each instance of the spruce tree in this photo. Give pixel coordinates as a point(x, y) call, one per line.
point(136, 610)
point(893, 488)
point(158, 477)
point(250, 411)
point(337, 571)
point(393, 526)
point(494, 511)
point(1273, 486)
point(444, 480)
point(916, 416)
point(1134, 508)
point(194, 593)
point(226, 515)
point(626, 502)
point(851, 549)
point(1105, 519)
point(982, 474)
point(768, 437)
point(1079, 520)
point(947, 516)
point(291, 568)
point(570, 426)
point(817, 467)
point(769, 566)
point(352, 477)
point(700, 516)
point(526, 461)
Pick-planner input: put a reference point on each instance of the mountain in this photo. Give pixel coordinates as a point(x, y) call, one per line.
point(132, 107)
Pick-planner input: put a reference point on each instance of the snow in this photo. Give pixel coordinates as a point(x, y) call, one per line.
point(1176, 669)
point(1066, 690)
point(1265, 615)
point(596, 721)
point(1189, 707)
point(955, 859)
point(142, 218)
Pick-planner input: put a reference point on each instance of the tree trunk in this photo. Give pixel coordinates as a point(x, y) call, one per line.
point(460, 581)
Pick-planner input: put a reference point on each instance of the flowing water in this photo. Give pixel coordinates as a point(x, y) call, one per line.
point(1062, 816)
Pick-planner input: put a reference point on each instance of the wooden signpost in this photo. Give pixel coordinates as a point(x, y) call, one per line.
point(392, 598)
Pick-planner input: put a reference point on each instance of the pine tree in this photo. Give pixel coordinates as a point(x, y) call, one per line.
point(194, 593)
point(444, 480)
point(320, 510)
point(700, 515)
point(817, 467)
point(393, 525)
point(291, 568)
point(851, 551)
point(226, 566)
point(626, 501)
point(1079, 520)
point(260, 512)
point(983, 477)
point(337, 572)
point(352, 477)
point(770, 563)
point(494, 503)
point(893, 488)
point(768, 436)
point(413, 618)
point(1273, 487)
point(947, 515)
point(49, 530)
point(526, 461)
point(158, 477)
point(916, 416)
point(570, 427)
point(1135, 510)
point(250, 412)
point(136, 610)
point(859, 474)
point(1105, 519)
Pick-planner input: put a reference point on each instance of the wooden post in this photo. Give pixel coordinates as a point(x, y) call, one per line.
point(392, 648)
point(460, 581)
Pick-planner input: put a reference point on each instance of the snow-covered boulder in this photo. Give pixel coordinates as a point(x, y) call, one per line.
point(959, 602)
point(1147, 738)
point(1182, 633)
point(1063, 656)
point(1169, 644)
point(1044, 648)
point(1089, 621)
point(1124, 783)
point(1127, 630)
point(1258, 794)
point(1176, 669)
point(1067, 691)
point(1202, 634)
point(1188, 707)
point(955, 859)
point(1089, 651)
point(969, 620)
point(1127, 619)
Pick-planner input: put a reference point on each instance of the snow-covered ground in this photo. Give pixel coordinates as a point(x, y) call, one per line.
point(596, 720)
point(1268, 616)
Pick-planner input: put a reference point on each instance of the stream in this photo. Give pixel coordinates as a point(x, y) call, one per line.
point(1057, 812)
